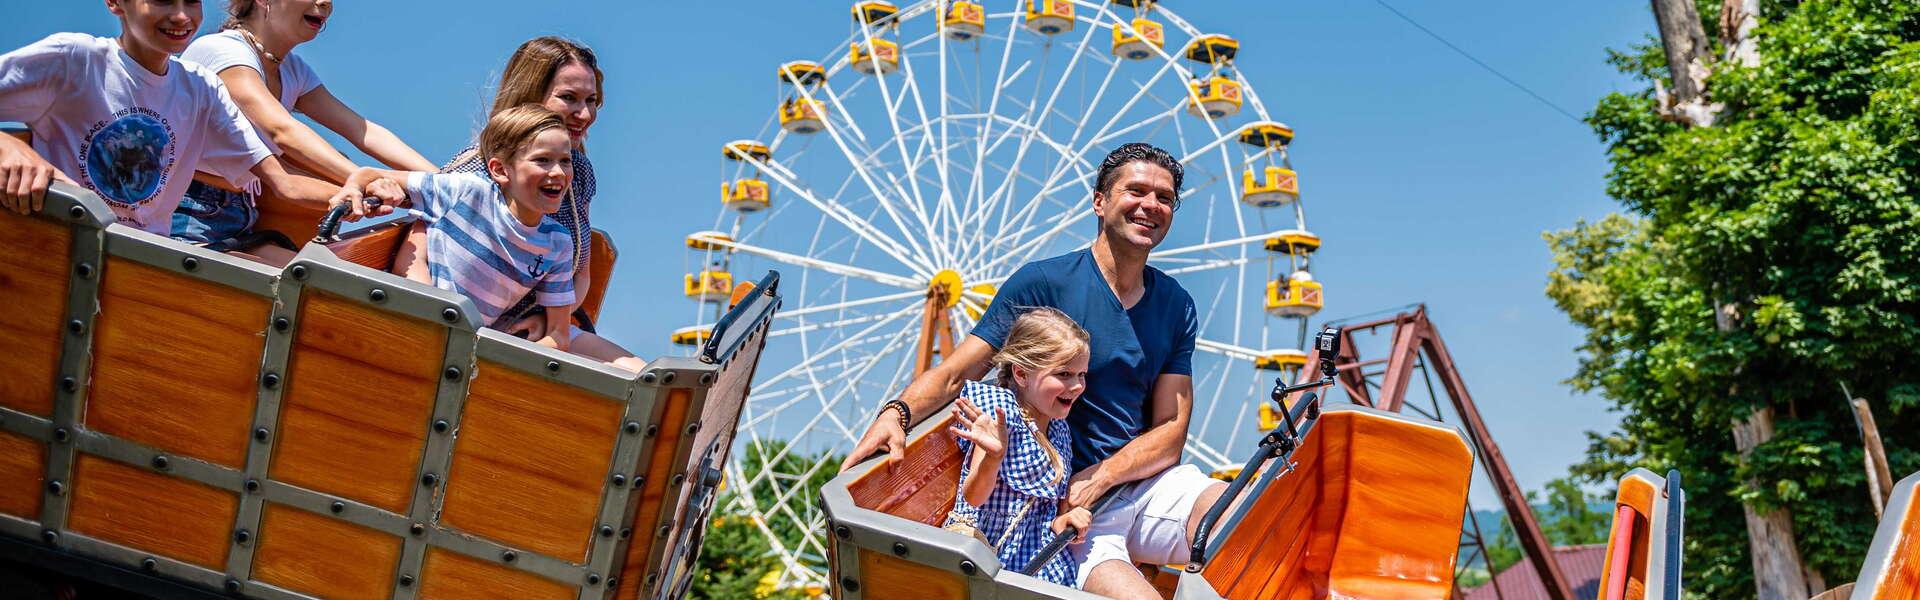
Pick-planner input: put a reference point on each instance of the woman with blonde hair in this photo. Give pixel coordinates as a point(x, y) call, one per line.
point(253, 56)
point(565, 77)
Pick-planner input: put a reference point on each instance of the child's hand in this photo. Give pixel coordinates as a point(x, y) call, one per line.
point(529, 326)
point(25, 177)
point(1078, 518)
point(988, 432)
point(558, 328)
point(390, 193)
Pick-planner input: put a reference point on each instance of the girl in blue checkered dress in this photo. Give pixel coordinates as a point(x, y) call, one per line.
point(1016, 446)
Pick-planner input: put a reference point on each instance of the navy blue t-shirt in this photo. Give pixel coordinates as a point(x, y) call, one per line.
point(1130, 347)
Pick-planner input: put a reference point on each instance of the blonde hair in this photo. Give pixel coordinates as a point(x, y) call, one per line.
point(530, 72)
point(1041, 338)
point(509, 129)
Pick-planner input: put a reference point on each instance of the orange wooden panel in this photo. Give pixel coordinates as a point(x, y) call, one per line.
point(646, 519)
point(1266, 551)
point(323, 556)
point(298, 222)
point(921, 487)
point(530, 462)
point(23, 469)
point(373, 250)
point(601, 266)
point(449, 575)
point(1406, 498)
point(151, 512)
point(1901, 577)
point(33, 279)
point(884, 576)
point(155, 325)
point(1639, 495)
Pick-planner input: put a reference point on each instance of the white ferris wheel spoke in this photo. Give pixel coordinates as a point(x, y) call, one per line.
point(815, 263)
point(853, 222)
point(1208, 266)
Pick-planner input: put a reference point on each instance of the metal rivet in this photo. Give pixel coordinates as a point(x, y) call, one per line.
point(678, 478)
point(966, 566)
point(593, 579)
point(76, 327)
point(260, 435)
point(652, 429)
point(553, 366)
point(69, 384)
point(281, 324)
point(850, 584)
point(706, 379)
point(619, 480)
point(606, 531)
point(417, 529)
point(666, 378)
point(693, 428)
point(450, 314)
point(270, 380)
point(613, 580)
point(441, 426)
point(300, 272)
point(639, 479)
point(452, 373)
point(508, 556)
point(626, 533)
point(377, 295)
point(60, 434)
point(242, 536)
point(160, 462)
point(149, 564)
point(233, 585)
point(406, 581)
point(85, 270)
point(633, 427)
point(190, 263)
point(429, 479)
point(338, 507)
point(649, 377)
point(56, 488)
point(652, 578)
point(76, 212)
point(253, 485)
point(899, 549)
point(842, 532)
point(665, 530)
point(48, 536)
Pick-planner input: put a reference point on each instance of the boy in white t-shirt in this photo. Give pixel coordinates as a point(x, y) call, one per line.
point(123, 118)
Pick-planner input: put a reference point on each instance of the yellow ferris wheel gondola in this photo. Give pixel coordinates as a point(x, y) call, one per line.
point(742, 150)
point(709, 240)
point(691, 336)
point(1273, 186)
point(964, 21)
point(800, 113)
point(1050, 17)
point(1138, 39)
point(875, 12)
point(747, 193)
point(1212, 48)
point(712, 285)
point(1296, 296)
point(1266, 134)
point(1214, 97)
point(883, 59)
point(1294, 242)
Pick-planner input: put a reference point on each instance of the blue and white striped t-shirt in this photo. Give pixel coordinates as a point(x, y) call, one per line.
point(476, 248)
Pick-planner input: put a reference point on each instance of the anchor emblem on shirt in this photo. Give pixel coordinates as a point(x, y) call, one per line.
point(534, 271)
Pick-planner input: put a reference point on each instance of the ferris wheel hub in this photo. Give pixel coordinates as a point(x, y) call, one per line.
point(948, 282)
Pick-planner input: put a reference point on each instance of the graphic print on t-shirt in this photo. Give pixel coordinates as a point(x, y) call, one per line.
point(126, 160)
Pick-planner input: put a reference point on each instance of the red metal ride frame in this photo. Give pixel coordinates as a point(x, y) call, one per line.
point(1413, 335)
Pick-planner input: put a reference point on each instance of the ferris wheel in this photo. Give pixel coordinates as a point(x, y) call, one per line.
point(911, 168)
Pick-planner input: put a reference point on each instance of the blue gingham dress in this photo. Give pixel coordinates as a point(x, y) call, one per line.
point(572, 214)
point(1025, 473)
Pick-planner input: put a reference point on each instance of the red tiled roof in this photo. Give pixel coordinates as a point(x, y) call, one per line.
point(1581, 566)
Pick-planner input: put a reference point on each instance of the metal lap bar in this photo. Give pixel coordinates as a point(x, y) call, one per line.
point(89, 217)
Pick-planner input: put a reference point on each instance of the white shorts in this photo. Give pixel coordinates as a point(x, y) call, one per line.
point(1147, 523)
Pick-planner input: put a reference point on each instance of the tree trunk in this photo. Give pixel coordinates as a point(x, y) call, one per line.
point(1737, 20)
point(1879, 476)
point(1778, 572)
point(1687, 52)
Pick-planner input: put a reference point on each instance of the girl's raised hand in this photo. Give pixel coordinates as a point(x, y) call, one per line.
point(988, 432)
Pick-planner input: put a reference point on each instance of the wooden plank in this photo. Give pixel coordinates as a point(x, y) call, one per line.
point(151, 512)
point(646, 518)
point(530, 462)
point(154, 325)
point(1406, 498)
point(449, 575)
point(23, 468)
point(323, 556)
point(33, 279)
point(381, 339)
point(1901, 578)
point(922, 486)
point(600, 272)
point(884, 576)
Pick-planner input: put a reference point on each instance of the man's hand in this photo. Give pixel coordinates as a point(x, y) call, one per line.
point(885, 432)
point(1086, 487)
point(24, 178)
point(1078, 518)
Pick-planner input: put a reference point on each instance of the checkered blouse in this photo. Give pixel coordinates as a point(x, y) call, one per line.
point(1027, 479)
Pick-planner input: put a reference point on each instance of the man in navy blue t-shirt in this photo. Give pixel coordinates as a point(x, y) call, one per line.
point(1131, 423)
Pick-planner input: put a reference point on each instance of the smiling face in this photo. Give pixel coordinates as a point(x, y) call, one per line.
point(1051, 393)
point(1137, 208)
point(575, 94)
point(297, 20)
point(536, 176)
point(156, 28)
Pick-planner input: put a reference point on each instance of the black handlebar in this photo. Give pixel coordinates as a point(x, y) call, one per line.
point(1060, 540)
point(330, 223)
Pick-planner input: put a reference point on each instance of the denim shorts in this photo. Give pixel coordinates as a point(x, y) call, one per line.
point(209, 214)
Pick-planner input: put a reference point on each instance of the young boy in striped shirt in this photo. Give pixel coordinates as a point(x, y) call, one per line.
point(493, 239)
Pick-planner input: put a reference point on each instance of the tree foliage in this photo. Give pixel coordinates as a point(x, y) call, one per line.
point(737, 559)
point(1798, 211)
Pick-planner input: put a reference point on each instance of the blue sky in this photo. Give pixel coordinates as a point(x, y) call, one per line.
point(1430, 179)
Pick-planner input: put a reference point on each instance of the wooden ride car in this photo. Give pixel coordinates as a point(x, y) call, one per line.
point(183, 420)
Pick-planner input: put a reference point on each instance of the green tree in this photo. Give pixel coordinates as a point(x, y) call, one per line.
point(1797, 210)
point(737, 558)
